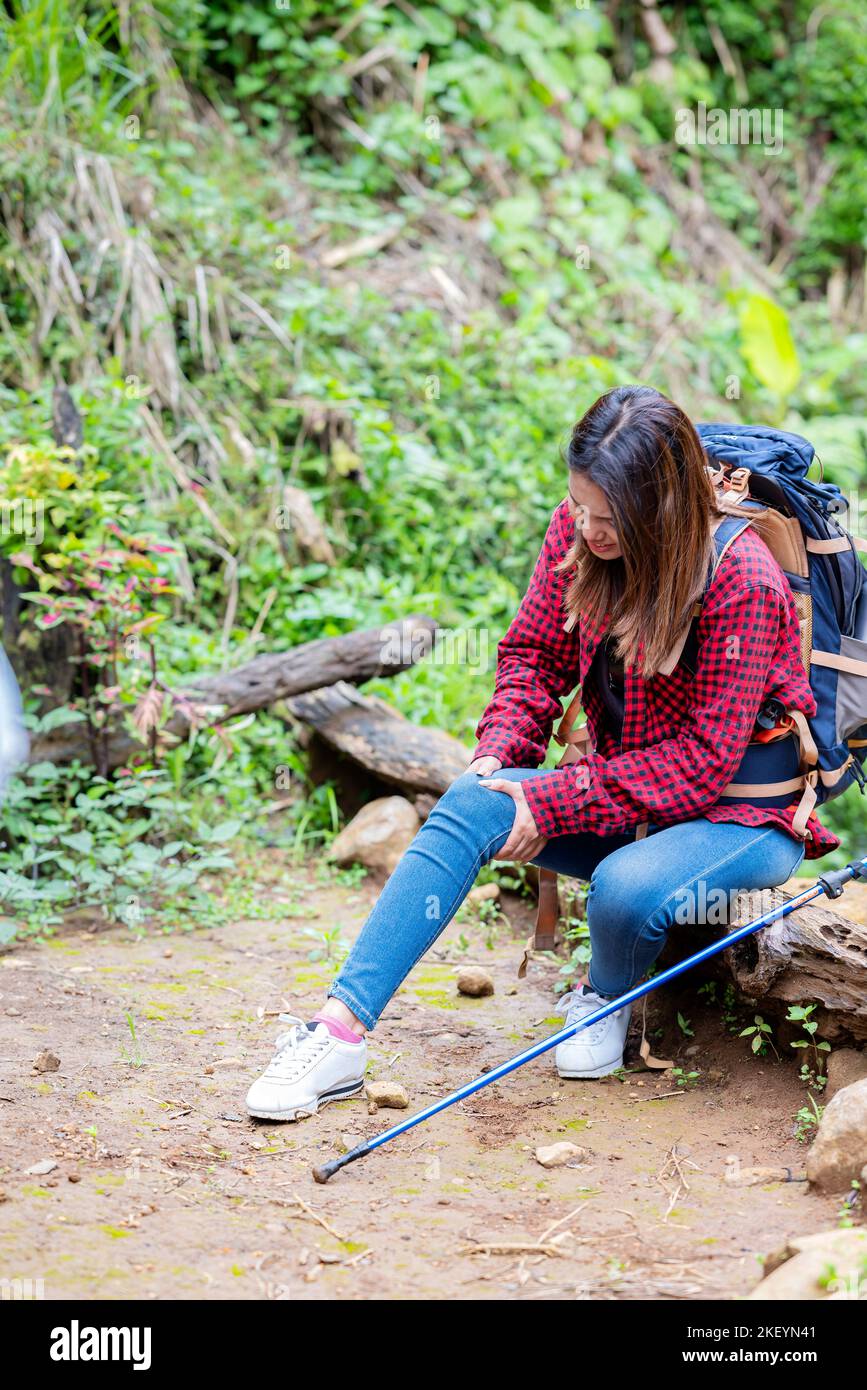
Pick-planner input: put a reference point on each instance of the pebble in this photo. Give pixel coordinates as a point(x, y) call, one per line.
point(36, 1170)
point(475, 982)
point(556, 1155)
point(484, 893)
point(387, 1095)
point(46, 1061)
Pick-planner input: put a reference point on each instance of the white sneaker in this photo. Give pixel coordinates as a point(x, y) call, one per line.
point(309, 1068)
point(597, 1050)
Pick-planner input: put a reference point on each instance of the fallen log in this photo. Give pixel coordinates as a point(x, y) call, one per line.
point(813, 956)
point(421, 762)
point(273, 676)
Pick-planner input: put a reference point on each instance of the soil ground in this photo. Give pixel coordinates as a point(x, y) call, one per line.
point(163, 1187)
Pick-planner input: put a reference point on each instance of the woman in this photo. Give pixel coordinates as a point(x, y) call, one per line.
point(625, 556)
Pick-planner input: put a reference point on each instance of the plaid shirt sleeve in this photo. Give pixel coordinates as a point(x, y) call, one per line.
point(678, 778)
point(537, 662)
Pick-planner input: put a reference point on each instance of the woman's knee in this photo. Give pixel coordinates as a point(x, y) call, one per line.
point(467, 792)
point(617, 909)
point(478, 809)
point(613, 889)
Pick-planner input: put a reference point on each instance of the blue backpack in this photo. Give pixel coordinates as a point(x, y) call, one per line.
point(762, 475)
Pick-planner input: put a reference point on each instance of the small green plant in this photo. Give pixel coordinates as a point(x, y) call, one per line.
point(332, 948)
point(852, 1284)
point(683, 1025)
point(844, 1215)
point(134, 1057)
point(688, 1079)
point(762, 1037)
point(812, 1075)
point(576, 933)
point(489, 919)
point(807, 1120)
point(729, 1005)
point(727, 1002)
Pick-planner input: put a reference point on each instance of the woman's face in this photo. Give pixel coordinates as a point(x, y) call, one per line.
point(589, 506)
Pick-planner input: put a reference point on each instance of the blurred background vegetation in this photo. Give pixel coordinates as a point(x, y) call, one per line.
point(387, 253)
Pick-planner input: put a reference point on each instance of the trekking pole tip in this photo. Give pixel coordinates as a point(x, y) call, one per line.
point(327, 1170)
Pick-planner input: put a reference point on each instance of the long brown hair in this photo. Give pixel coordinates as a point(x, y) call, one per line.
point(644, 453)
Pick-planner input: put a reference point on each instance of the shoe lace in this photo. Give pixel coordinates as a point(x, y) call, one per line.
point(576, 1005)
point(294, 1049)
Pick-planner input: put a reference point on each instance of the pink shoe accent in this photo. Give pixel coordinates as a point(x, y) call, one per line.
point(337, 1029)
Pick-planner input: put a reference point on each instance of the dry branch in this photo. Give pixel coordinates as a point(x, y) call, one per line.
point(273, 676)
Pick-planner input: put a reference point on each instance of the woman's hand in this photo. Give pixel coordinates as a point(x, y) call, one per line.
point(524, 841)
point(485, 766)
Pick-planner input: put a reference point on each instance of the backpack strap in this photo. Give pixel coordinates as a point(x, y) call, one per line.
point(724, 533)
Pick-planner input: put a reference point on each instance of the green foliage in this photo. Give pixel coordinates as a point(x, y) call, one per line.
point(172, 264)
point(812, 1071)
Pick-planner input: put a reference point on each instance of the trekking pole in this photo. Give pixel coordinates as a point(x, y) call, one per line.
point(831, 883)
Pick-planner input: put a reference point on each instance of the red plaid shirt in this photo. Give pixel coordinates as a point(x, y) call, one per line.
point(683, 735)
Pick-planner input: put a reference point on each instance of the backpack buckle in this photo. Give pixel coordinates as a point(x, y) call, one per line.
point(771, 714)
point(737, 484)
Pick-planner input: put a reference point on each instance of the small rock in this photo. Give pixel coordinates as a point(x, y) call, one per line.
point(345, 1142)
point(232, 1117)
point(378, 835)
point(511, 989)
point(38, 1170)
point(4, 1195)
point(738, 1176)
point(46, 1061)
point(486, 892)
point(73, 1177)
point(839, 1151)
point(714, 1074)
point(556, 1155)
point(475, 981)
point(692, 1050)
point(444, 1040)
point(168, 953)
point(13, 1012)
point(386, 1095)
point(828, 1264)
point(845, 1066)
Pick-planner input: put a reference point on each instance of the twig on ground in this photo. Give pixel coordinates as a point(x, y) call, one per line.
point(299, 1201)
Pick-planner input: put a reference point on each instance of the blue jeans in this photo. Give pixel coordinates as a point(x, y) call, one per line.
point(638, 888)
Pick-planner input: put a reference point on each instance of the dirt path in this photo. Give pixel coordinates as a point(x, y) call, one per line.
point(164, 1188)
